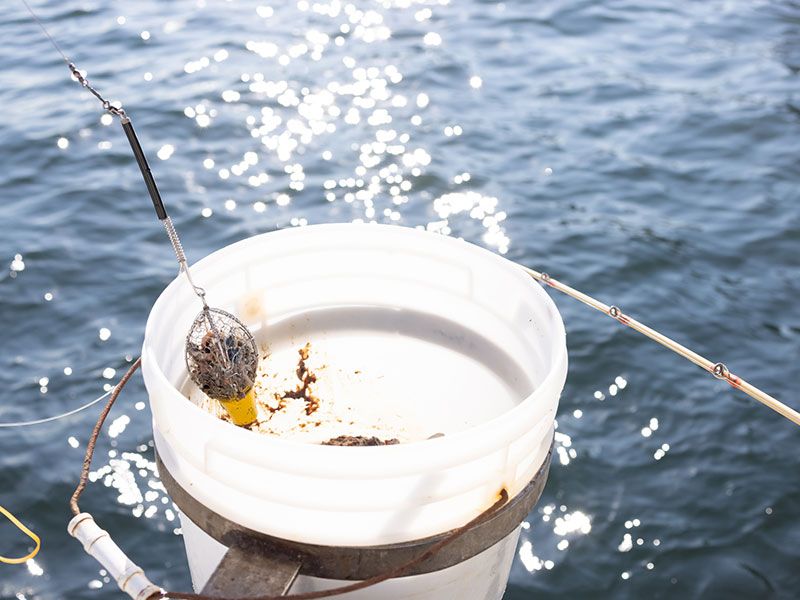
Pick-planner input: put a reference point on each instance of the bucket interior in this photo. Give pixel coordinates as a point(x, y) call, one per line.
point(381, 372)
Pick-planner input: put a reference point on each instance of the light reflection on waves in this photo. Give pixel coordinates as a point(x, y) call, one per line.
point(569, 526)
point(362, 101)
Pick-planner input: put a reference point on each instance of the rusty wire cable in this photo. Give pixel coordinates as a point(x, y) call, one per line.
point(87, 458)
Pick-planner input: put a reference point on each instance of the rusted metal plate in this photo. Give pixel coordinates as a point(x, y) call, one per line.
point(358, 563)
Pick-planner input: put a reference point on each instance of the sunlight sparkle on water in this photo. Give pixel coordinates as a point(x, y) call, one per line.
point(196, 65)
point(165, 151)
point(265, 12)
point(529, 560)
point(661, 452)
point(17, 265)
point(423, 14)
point(118, 425)
point(231, 96)
point(650, 428)
point(34, 568)
point(477, 206)
point(291, 115)
point(432, 39)
point(576, 522)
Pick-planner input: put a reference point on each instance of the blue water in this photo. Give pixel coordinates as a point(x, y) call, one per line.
point(644, 152)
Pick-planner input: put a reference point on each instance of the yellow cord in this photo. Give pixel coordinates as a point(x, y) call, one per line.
point(26, 531)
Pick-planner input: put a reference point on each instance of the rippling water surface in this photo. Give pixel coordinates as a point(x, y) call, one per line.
point(645, 152)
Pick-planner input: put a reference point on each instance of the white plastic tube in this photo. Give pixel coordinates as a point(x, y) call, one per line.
point(98, 544)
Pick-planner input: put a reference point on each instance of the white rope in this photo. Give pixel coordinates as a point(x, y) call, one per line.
point(57, 417)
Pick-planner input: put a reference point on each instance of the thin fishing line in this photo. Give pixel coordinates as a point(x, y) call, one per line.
point(80, 77)
point(57, 417)
point(47, 33)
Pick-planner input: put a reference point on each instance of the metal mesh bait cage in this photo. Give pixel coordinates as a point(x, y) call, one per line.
point(221, 355)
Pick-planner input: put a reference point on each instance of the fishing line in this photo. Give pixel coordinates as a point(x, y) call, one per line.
point(44, 29)
point(56, 417)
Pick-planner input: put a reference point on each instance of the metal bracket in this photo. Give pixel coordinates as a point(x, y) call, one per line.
point(351, 563)
point(245, 572)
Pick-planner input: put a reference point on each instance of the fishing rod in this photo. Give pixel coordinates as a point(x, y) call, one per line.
point(220, 352)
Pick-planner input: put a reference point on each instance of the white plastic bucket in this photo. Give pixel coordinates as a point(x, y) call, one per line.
point(452, 339)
